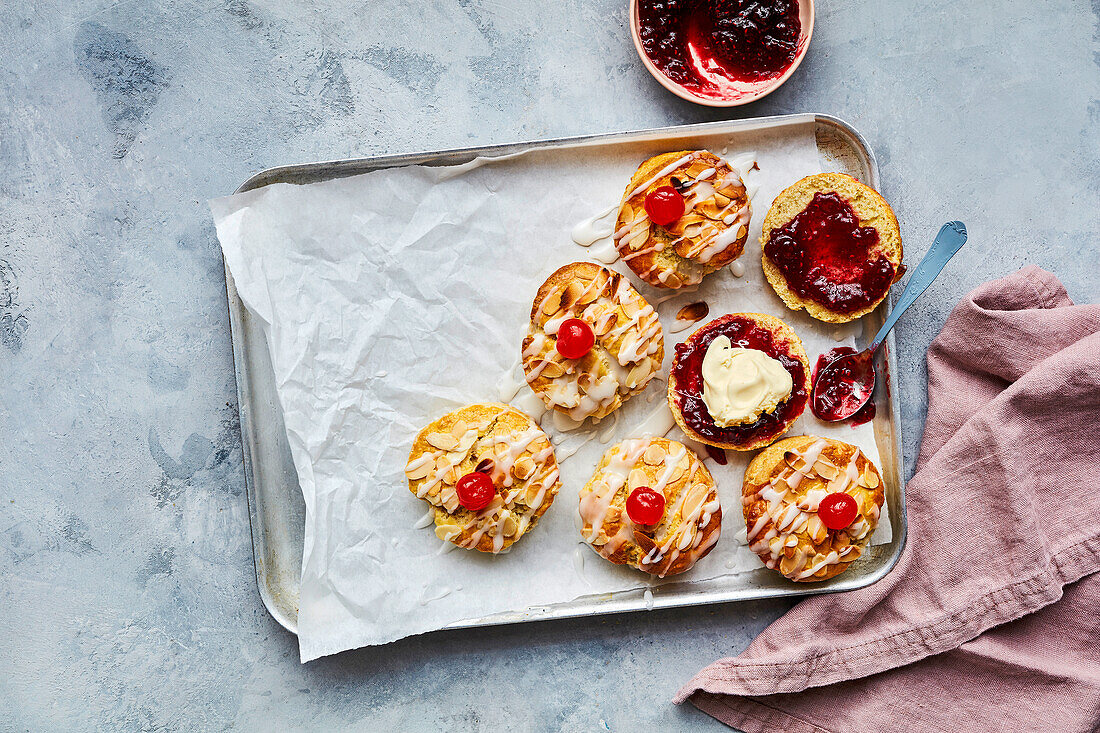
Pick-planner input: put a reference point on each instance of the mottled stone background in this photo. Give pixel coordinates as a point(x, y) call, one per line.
point(127, 595)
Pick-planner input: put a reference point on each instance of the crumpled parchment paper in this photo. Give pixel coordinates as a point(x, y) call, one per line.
point(393, 297)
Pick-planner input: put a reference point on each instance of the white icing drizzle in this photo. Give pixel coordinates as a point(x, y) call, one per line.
point(594, 228)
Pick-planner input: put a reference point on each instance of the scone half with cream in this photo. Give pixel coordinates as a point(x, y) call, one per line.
point(739, 382)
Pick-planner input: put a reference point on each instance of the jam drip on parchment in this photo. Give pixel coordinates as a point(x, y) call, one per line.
point(835, 393)
point(826, 257)
point(694, 41)
point(688, 373)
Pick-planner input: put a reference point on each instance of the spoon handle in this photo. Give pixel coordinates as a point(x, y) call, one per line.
point(950, 240)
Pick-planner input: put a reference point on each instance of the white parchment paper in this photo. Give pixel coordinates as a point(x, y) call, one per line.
point(393, 297)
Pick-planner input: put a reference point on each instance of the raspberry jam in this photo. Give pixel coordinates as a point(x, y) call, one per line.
point(825, 256)
point(687, 370)
point(832, 396)
point(714, 48)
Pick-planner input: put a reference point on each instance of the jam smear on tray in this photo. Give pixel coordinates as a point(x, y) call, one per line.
point(708, 45)
point(832, 396)
point(825, 256)
point(688, 371)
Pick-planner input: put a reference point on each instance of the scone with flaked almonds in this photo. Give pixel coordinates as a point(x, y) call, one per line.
point(592, 343)
point(488, 472)
point(651, 504)
point(831, 245)
point(683, 216)
point(811, 505)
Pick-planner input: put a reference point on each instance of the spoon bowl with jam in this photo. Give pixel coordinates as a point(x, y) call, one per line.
point(844, 385)
point(721, 53)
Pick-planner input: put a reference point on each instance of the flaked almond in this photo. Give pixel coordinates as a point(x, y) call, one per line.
point(693, 312)
point(509, 525)
point(534, 489)
point(442, 441)
point(551, 304)
point(466, 441)
point(553, 370)
point(654, 455)
point(485, 465)
point(419, 471)
point(591, 291)
point(787, 565)
point(639, 374)
point(721, 200)
point(696, 495)
point(825, 470)
point(637, 478)
point(816, 529)
point(710, 209)
point(821, 573)
point(869, 478)
point(450, 476)
point(795, 461)
point(672, 281)
point(571, 294)
point(841, 540)
point(523, 467)
point(447, 531)
point(459, 428)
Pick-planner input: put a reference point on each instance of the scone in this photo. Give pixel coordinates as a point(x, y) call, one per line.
point(811, 505)
point(592, 343)
point(739, 382)
point(832, 246)
point(683, 215)
point(489, 473)
point(651, 504)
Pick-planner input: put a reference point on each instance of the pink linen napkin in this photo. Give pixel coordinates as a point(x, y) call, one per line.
point(974, 629)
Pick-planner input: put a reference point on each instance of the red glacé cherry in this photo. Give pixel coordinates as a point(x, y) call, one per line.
point(664, 205)
point(575, 338)
point(475, 491)
point(837, 510)
point(645, 506)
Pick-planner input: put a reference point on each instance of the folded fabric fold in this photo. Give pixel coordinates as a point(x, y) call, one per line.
point(1004, 511)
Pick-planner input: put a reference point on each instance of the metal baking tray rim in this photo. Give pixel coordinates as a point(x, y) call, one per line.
point(622, 601)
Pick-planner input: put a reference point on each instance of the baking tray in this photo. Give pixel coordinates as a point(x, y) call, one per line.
point(276, 509)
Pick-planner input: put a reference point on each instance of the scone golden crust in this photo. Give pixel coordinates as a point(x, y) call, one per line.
point(503, 443)
point(628, 350)
point(818, 278)
point(710, 234)
point(782, 490)
point(758, 331)
point(692, 519)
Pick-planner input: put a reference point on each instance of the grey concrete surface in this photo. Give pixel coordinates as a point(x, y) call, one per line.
point(127, 595)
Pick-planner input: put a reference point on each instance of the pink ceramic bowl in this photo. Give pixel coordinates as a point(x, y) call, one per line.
point(742, 92)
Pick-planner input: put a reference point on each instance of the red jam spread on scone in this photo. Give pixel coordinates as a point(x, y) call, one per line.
point(703, 45)
point(688, 372)
point(833, 395)
point(827, 257)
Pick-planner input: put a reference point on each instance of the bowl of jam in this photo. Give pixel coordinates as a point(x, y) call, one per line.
point(721, 53)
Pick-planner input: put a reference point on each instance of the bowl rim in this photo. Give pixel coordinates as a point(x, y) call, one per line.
point(680, 91)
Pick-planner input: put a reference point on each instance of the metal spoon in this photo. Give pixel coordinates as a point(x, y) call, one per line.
point(857, 370)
